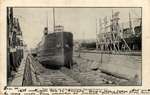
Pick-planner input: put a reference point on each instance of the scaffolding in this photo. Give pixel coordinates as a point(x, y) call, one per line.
point(111, 35)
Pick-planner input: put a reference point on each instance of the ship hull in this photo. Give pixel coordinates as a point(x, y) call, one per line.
point(56, 49)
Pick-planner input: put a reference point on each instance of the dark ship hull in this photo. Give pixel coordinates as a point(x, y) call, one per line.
point(56, 49)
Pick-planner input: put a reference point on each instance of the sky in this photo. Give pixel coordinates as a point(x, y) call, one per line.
point(80, 21)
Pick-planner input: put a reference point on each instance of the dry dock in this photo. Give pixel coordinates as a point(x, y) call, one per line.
point(86, 71)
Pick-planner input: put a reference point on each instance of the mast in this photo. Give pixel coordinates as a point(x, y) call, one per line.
point(112, 20)
point(54, 19)
point(96, 35)
point(130, 23)
point(47, 21)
